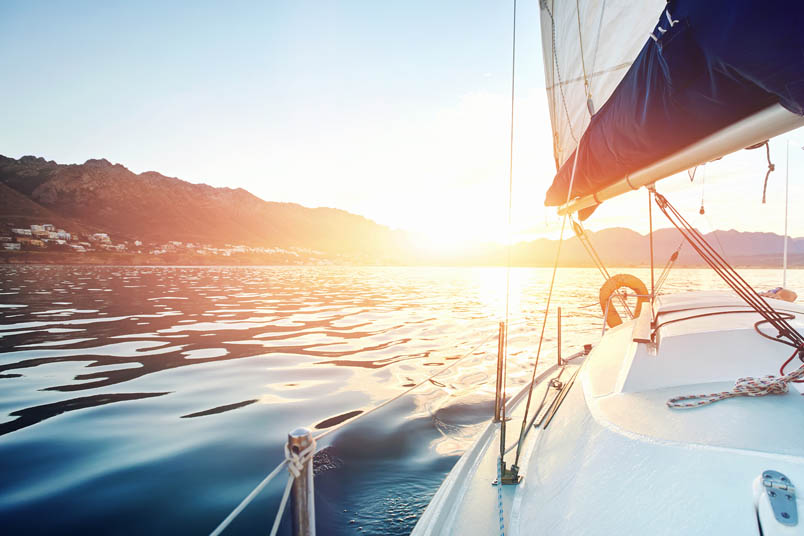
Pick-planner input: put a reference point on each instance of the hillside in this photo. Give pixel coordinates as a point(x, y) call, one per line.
point(154, 208)
point(20, 210)
point(99, 196)
point(624, 247)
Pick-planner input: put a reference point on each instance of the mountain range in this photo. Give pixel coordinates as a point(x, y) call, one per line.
point(98, 196)
point(150, 207)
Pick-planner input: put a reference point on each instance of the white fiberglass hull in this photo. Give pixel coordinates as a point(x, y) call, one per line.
point(616, 460)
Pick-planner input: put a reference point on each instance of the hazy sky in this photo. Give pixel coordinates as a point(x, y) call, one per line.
point(396, 110)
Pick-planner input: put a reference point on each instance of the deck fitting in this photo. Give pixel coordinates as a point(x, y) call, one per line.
point(510, 477)
point(782, 496)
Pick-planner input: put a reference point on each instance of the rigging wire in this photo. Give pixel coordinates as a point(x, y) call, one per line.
point(667, 267)
point(586, 242)
point(703, 187)
point(589, 104)
point(508, 229)
point(702, 211)
point(650, 223)
point(730, 276)
point(541, 335)
point(558, 249)
point(546, 312)
point(597, 44)
point(558, 75)
point(256, 491)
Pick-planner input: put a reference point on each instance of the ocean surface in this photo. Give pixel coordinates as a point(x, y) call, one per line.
point(143, 400)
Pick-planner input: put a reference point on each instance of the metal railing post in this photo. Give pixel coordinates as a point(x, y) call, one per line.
point(302, 500)
point(500, 355)
point(560, 362)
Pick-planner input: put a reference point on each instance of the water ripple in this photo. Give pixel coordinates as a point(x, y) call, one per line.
point(171, 389)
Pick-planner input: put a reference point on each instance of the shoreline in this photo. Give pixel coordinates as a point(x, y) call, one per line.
point(189, 260)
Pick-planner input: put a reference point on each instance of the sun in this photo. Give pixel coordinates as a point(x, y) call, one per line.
point(453, 236)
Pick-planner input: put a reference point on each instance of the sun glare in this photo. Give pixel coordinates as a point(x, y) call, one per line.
point(451, 236)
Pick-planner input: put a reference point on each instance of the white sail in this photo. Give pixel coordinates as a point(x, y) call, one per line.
point(588, 43)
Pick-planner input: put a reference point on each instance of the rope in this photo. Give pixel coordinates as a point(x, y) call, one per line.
point(730, 276)
point(546, 311)
point(510, 201)
point(771, 167)
point(583, 61)
point(282, 504)
point(296, 461)
point(702, 211)
point(597, 43)
point(499, 496)
point(650, 222)
point(765, 385)
point(250, 497)
point(586, 242)
point(560, 83)
point(667, 268)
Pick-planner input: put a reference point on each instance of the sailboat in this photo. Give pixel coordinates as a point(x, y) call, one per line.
point(687, 418)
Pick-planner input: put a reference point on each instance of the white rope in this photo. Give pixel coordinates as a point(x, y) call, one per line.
point(282, 504)
point(295, 462)
point(245, 502)
point(766, 385)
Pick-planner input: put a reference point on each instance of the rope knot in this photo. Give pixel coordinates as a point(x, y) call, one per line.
point(748, 386)
point(765, 385)
point(297, 460)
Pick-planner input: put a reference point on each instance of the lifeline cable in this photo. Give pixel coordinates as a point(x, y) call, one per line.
point(251, 496)
point(586, 242)
point(667, 268)
point(650, 222)
point(508, 230)
point(546, 311)
point(729, 275)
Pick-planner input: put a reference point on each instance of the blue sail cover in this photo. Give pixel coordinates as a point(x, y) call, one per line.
point(708, 64)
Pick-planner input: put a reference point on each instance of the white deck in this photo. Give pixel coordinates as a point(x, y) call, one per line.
point(617, 460)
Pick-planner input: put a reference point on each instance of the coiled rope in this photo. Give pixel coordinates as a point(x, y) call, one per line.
point(748, 386)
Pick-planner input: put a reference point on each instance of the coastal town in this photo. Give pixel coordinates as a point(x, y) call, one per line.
point(45, 237)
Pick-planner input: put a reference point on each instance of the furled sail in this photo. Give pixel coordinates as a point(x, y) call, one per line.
point(698, 69)
point(588, 46)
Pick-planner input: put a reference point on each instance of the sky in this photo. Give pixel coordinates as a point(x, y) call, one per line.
point(398, 111)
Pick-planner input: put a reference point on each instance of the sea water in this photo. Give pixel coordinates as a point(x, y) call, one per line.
point(143, 400)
